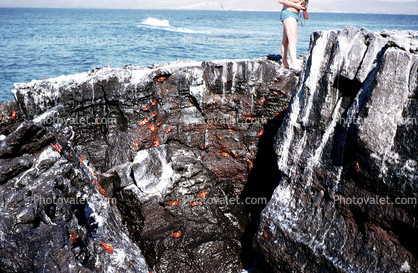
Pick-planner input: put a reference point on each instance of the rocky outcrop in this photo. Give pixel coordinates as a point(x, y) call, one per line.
point(346, 199)
point(137, 169)
point(215, 106)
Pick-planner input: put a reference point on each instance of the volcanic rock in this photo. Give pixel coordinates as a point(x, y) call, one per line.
point(346, 199)
point(136, 169)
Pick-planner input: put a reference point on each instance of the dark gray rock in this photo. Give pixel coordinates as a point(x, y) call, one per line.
point(210, 226)
point(196, 103)
point(112, 178)
point(350, 134)
point(45, 197)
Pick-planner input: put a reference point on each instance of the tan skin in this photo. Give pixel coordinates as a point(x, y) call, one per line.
point(290, 28)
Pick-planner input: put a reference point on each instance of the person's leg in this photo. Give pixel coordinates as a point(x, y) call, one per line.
point(285, 43)
point(290, 26)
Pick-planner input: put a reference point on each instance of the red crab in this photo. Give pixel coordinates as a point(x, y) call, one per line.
point(74, 237)
point(57, 147)
point(260, 133)
point(161, 79)
point(108, 247)
point(202, 194)
point(143, 122)
point(174, 203)
point(153, 114)
point(152, 127)
point(156, 142)
point(81, 160)
point(194, 203)
point(358, 169)
point(225, 154)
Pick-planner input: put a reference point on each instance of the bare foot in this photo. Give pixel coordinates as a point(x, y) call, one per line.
point(285, 63)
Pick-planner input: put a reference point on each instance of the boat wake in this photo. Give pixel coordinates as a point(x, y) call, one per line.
point(164, 24)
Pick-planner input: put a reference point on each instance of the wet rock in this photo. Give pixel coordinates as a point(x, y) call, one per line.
point(51, 205)
point(216, 106)
point(182, 195)
point(10, 118)
point(348, 139)
point(106, 155)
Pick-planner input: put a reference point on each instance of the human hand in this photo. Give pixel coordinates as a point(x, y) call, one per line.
point(301, 5)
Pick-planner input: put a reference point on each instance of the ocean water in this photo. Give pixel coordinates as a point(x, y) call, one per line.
point(46, 43)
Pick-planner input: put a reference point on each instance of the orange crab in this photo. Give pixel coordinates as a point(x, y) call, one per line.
point(276, 114)
point(260, 101)
point(152, 127)
point(153, 114)
point(249, 162)
point(101, 190)
point(225, 154)
point(161, 79)
point(248, 113)
point(250, 118)
point(276, 93)
point(202, 194)
point(57, 147)
point(234, 153)
point(233, 115)
point(74, 237)
point(13, 114)
point(177, 234)
point(223, 146)
point(158, 123)
point(107, 247)
point(194, 203)
point(260, 133)
point(156, 142)
point(81, 160)
point(202, 147)
point(174, 203)
point(230, 130)
point(143, 122)
point(169, 130)
point(358, 169)
point(219, 137)
point(266, 235)
point(146, 108)
point(153, 103)
point(252, 142)
point(136, 144)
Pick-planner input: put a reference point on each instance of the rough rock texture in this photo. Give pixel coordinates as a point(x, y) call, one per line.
point(350, 132)
point(132, 142)
point(215, 106)
point(47, 196)
point(8, 121)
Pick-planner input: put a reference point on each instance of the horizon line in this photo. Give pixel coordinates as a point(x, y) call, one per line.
point(248, 10)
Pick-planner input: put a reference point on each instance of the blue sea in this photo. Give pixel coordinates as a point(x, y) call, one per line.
point(46, 43)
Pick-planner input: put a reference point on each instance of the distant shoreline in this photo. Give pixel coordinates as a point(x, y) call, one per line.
point(225, 10)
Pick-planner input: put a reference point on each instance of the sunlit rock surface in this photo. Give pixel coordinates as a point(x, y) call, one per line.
point(133, 169)
point(350, 132)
